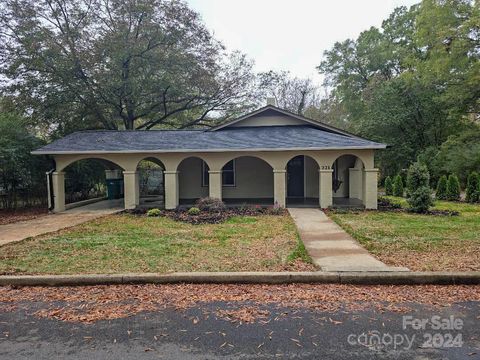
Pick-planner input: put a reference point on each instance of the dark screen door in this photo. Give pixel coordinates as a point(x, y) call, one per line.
point(295, 177)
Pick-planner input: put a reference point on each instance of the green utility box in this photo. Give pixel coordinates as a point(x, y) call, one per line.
point(114, 188)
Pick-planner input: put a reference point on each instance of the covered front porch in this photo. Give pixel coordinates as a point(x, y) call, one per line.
point(283, 178)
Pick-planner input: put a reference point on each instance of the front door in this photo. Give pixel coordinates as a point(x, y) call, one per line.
point(295, 177)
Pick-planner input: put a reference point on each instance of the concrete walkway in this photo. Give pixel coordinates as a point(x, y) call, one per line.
point(330, 247)
point(50, 223)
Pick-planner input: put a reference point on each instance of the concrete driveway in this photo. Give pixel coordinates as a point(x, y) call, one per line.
point(53, 222)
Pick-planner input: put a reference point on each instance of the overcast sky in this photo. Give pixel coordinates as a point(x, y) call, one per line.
point(291, 34)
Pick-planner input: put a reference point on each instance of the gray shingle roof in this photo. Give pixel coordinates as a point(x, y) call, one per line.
point(228, 139)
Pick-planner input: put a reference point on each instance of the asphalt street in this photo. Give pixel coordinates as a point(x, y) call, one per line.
point(199, 333)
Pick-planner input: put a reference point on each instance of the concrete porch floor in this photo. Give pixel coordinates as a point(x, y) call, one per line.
point(291, 202)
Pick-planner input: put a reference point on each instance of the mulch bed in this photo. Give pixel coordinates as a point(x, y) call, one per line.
point(212, 217)
point(246, 303)
point(13, 216)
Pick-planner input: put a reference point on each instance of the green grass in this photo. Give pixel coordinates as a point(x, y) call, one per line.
point(127, 243)
point(421, 242)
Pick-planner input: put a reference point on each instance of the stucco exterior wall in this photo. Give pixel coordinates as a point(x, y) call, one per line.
point(344, 163)
point(311, 178)
point(190, 179)
point(253, 179)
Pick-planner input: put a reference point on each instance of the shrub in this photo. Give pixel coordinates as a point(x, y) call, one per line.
point(441, 193)
point(276, 209)
point(153, 212)
point(398, 186)
point(388, 186)
point(473, 188)
point(193, 211)
point(419, 194)
point(453, 188)
point(210, 204)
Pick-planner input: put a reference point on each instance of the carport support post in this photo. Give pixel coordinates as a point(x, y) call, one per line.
point(171, 189)
point(279, 193)
point(370, 186)
point(58, 184)
point(130, 183)
point(325, 187)
point(215, 184)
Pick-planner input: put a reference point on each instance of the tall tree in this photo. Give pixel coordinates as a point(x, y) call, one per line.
point(133, 64)
point(411, 83)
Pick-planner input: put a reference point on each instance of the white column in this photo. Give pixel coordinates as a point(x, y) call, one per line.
point(325, 187)
point(171, 189)
point(215, 184)
point(370, 188)
point(130, 188)
point(58, 184)
point(137, 188)
point(279, 181)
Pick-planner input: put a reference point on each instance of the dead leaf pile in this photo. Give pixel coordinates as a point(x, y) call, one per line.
point(13, 216)
point(92, 303)
point(246, 315)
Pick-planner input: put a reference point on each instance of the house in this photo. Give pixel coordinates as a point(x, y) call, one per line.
point(267, 156)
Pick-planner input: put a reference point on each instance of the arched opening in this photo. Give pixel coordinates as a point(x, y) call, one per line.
point(92, 180)
point(302, 187)
point(192, 180)
point(151, 183)
point(247, 180)
point(347, 181)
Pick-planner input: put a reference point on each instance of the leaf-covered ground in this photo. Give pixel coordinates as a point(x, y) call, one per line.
point(246, 303)
point(419, 242)
point(12, 216)
point(128, 243)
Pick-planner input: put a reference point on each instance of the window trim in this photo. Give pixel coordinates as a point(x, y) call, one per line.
point(205, 172)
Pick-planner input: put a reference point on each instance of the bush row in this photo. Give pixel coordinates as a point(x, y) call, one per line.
point(448, 188)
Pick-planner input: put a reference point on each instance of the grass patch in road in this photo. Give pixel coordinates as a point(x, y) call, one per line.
point(128, 243)
point(420, 242)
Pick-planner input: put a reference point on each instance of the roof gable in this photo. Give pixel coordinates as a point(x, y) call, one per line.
point(274, 116)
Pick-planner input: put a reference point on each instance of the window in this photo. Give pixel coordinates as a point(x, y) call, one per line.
point(228, 174)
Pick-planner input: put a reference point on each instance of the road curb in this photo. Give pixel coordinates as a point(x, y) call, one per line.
point(357, 278)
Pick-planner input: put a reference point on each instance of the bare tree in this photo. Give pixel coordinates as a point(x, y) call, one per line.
point(291, 93)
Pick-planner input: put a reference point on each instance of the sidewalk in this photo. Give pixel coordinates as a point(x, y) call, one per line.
point(330, 247)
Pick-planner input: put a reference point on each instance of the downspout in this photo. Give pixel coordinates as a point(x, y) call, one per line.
point(50, 189)
point(50, 195)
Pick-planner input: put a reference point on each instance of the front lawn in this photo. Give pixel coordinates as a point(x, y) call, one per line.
point(128, 243)
point(419, 242)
